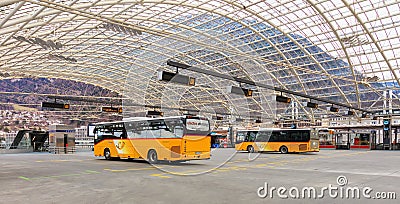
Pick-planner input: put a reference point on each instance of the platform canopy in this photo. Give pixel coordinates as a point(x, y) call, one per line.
point(337, 50)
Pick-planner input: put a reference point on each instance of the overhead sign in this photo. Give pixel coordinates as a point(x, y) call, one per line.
point(240, 91)
point(154, 113)
point(111, 109)
point(176, 78)
point(55, 105)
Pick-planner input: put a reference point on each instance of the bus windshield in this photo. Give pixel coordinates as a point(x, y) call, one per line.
point(109, 131)
point(240, 137)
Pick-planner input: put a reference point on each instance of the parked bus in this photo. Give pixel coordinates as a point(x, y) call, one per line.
point(282, 140)
point(178, 138)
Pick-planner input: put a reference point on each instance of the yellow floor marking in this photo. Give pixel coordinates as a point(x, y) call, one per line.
point(61, 175)
point(237, 167)
point(160, 175)
point(261, 165)
point(25, 178)
point(183, 173)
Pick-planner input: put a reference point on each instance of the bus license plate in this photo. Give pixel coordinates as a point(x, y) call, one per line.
point(198, 153)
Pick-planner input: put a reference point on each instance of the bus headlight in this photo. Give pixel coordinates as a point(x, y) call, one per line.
point(314, 145)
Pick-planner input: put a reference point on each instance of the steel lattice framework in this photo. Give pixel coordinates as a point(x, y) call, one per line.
point(342, 50)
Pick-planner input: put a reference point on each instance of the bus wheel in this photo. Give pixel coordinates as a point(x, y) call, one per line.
point(107, 154)
point(152, 156)
point(250, 149)
point(283, 150)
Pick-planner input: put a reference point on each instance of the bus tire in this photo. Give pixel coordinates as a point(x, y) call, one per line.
point(107, 154)
point(283, 150)
point(250, 149)
point(152, 156)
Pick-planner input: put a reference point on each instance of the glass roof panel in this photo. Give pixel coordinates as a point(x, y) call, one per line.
point(340, 50)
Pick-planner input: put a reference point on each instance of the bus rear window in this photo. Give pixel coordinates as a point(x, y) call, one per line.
point(197, 125)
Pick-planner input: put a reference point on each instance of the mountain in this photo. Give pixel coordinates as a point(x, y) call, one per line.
point(25, 90)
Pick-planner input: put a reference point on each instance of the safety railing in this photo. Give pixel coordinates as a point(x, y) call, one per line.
point(84, 148)
point(62, 150)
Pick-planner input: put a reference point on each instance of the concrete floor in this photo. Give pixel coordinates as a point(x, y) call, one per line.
point(228, 177)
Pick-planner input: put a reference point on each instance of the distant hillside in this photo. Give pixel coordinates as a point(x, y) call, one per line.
point(45, 86)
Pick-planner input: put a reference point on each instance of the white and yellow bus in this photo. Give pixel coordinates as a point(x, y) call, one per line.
point(179, 138)
point(282, 140)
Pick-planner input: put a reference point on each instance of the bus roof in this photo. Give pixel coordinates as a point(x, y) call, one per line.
point(272, 129)
point(134, 119)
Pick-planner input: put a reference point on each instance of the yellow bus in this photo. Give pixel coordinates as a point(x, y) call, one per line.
point(179, 138)
point(282, 140)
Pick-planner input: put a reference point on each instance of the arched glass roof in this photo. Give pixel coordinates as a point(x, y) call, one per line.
point(338, 50)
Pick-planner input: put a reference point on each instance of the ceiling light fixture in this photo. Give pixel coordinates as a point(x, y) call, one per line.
point(283, 99)
point(312, 105)
point(334, 109)
point(239, 91)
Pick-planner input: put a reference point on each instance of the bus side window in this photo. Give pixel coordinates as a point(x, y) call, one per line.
point(142, 130)
point(263, 136)
point(306, 136)
point(274, 136)
point(136, 131)
point(283, 136)
point(252, 136)
point(120, 133)
point(296, 136)
point(178, 131)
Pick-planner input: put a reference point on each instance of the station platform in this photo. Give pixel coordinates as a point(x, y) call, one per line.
point(228, 177)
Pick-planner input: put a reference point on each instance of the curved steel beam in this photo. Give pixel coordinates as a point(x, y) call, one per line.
point(373, 40)
point(343, 48)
